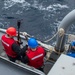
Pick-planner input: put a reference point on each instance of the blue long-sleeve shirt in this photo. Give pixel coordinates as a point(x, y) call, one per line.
point(73, 43)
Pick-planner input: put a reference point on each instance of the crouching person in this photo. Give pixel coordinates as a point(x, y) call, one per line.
point(34, 55)
point(11, 46)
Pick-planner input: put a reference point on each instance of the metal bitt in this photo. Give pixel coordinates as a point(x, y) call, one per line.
point(60, 40)
point(62, 29)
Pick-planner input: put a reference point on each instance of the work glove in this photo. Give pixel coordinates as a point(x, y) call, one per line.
point(26, 34)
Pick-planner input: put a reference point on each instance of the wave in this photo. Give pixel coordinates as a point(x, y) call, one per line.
point(35, 4)
point(11, 3)
point(49, 10)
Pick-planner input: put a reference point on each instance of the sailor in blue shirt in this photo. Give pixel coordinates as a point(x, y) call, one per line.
point(73, 45)
point(71, 51)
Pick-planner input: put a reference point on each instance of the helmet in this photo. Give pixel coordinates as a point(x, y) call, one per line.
point(11, 31)
point(32, 43)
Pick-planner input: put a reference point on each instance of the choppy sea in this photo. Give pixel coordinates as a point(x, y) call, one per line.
point(39, 18)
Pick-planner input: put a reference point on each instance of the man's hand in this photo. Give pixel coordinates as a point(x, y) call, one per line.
point(73, 47)
point(24, 34)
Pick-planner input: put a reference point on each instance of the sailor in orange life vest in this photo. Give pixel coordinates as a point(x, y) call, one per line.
point(11, 46)
point(34, 55)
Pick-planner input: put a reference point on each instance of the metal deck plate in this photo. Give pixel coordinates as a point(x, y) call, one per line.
point(65, 65)
point(9, 68)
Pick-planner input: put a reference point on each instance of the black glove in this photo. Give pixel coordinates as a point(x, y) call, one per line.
point(26, 47)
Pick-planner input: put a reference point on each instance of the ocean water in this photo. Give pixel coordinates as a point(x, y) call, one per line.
point(39, 18)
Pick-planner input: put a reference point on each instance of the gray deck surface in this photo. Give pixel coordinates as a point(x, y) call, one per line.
point(7, 68)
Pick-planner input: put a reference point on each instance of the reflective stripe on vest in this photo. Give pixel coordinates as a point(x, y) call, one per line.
point(36, 57)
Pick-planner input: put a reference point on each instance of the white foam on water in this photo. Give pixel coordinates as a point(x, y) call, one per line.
point(20, 1)
point(10, 3)
point(56, 6)
point(49, 10)
point(40, 6)
point(36, 4)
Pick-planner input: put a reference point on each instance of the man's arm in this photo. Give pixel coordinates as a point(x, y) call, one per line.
point(25, 59)
point(18, 50)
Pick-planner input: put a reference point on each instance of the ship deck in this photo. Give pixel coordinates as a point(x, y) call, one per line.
point(47, 66)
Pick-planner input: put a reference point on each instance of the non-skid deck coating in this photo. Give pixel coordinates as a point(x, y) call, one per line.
point(8, 68)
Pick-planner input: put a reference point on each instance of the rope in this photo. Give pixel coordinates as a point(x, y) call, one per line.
point(51, 38)
point(54, 37)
